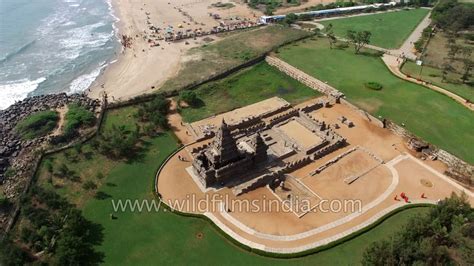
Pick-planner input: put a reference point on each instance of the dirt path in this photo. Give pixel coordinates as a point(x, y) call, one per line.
point(178, 125)
point(62, 119)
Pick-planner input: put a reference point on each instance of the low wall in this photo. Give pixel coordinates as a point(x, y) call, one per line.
point(37, 163)
point(364, 114)
point(457, 168)
point(303, 77)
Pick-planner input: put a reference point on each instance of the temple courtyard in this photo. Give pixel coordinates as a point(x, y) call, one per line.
point(285, 179)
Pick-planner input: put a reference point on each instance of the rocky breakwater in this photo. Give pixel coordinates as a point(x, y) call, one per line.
point(19, 154)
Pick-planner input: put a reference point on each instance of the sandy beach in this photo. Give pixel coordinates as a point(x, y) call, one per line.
point(302, 6)
point(146, 64)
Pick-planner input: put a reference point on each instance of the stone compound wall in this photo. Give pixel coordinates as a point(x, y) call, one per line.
point(31, 153)
point(303, 77)
point(364, 114)
point(457, 168)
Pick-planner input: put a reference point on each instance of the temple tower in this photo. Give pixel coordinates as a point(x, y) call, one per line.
point(224, 146)
point(260, 148)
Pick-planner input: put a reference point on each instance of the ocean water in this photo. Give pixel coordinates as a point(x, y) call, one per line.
point(51, 46)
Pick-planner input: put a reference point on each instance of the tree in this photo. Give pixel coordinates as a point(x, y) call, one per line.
point(190, 97)
point(359, 39)
point(159, 106)
point(63, 171)
point(4, 202)
point(290, 19)
point(454, 49)
point(118, 141)
point(468, 65)
point(436, 238)
point(89, 185)
point(10, 254)
point(447, 67)
point(76, 241)
point(377, 254)
point(330, 34)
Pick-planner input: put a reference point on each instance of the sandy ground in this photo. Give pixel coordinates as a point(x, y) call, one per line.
point(143, 68)
point(177, 125)
point(377, 188)
point(301, 7)
point(199, 127)
point(303, 136)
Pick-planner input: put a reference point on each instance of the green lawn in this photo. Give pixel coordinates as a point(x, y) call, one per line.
point(426, 113)
point(434, 76)
point(248, 86)
point(389, 30)
point(166, 238)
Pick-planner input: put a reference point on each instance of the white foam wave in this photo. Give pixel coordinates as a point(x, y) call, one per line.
point(83, 37)
point(14, 91)
point(83, 82)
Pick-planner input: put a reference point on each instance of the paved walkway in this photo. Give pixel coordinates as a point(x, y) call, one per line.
point(345, 219)
point(407, 47)
point(393, 59)
point(315, 244)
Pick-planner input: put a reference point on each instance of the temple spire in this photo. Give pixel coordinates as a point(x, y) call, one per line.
point(224, 145)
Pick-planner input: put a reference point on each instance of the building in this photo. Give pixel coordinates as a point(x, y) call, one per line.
point(224, 161)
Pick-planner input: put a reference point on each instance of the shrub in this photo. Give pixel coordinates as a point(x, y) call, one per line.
point(118, 142)
point(10, 172)
point(100, 175)
point(290, 19)
point(373, 86)
point(38, 124)
point(4, 202)
point(190, 97)
point(89, 185)
point(155, 112)
point(77, 116)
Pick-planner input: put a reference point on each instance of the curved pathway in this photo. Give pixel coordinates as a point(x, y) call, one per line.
point(393, 59)
point(343, 220)
point(393, 63)
point(315, 244)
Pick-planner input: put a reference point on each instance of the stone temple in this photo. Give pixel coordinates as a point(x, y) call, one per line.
point(224, 160)
point(257, 150)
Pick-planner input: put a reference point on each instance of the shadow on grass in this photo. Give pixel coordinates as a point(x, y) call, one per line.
point(370, 54)
point(100, 195)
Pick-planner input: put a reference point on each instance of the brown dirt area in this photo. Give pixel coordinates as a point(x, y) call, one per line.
point(374, 187)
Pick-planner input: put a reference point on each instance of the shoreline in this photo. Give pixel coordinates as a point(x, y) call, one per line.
point(130, 73)
point(149, 61)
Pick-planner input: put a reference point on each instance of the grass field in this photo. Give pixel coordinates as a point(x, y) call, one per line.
point(229, 52)
point(428, 114)
point(434, 76)
point(251, 85)
point(163, 237)
point(389, 30)
point(166, 238)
